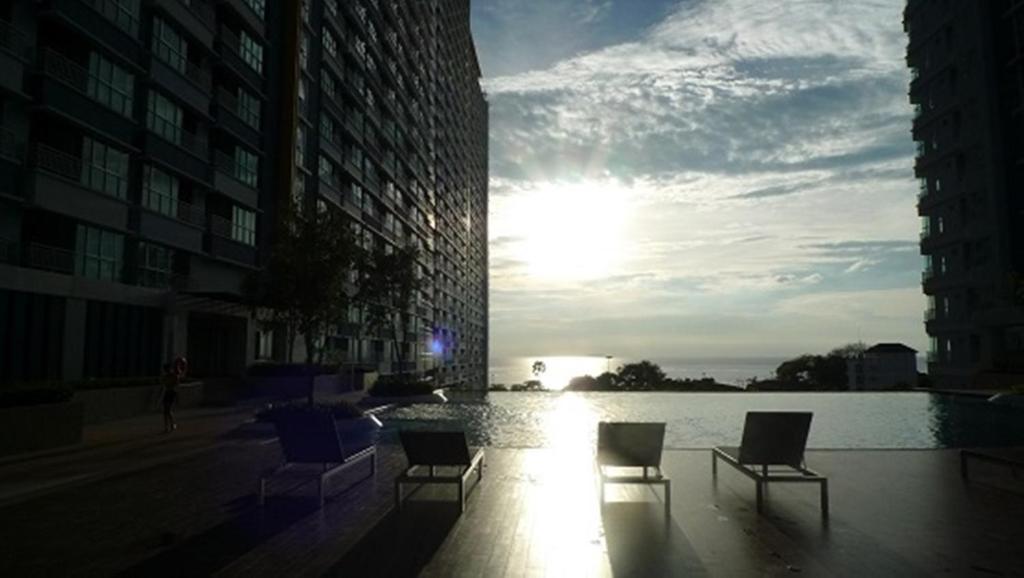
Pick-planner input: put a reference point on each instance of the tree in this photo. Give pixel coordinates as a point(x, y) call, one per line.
point(304, 286)
point(582, 383)
point(644, 375)
point(539, 367)
point(607, 381)
point(388, 284)
point(850, 350)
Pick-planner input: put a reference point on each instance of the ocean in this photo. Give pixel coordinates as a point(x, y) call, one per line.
point(560, 369)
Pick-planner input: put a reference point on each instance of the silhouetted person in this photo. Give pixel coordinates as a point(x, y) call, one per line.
point(173, 374)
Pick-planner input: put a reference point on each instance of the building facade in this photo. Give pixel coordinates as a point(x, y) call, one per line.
point(148, 148)
point(883, 366)
point(965, 59)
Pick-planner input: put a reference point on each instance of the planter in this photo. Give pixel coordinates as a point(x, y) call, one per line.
point(293, 387)
point(34, 428)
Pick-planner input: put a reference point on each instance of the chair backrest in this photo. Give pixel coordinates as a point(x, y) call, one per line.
point(309, 438)
point(435, 448)
point(630, 444)
point(775, 438)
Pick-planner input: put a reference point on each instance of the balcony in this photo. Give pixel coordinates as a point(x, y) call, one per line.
point(15, 53)
point(12, 148)
point(56, 187)
point(182, 229)
point(226, 181)
point(231, 119)
point(223, 246)
point(231, 54)
point(65, 87)
point(183, 150)
point(53, 259)
point(103, 20)
point(191, 85)
point(196, 17)
point(252, 19)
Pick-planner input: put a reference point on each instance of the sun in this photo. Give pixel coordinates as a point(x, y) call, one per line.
point(570, 231)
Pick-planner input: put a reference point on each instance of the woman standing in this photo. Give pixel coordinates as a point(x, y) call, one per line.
point(174, 374)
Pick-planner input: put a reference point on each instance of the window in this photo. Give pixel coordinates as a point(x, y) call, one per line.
point(251, 51)
point(104, 168)
point(169, 46)
point(330, 44)
point(160, 191)
point(326, 170)
point(327, 82)
point(124, 13)
point(100, 254)
point(304, 51)
point(248, 108)
point(247, 167)
point(300, 145)
point(110, 85)
point(326, 127)
point(156, 265)
point(163, 117)
point(331, 6)
point(257, 6)
point(243, 226)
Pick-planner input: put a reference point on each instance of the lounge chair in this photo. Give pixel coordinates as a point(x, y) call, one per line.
point(632, 445)
point(1011, 458)
point(770, 439)
point(432, 450)
point(314, 439)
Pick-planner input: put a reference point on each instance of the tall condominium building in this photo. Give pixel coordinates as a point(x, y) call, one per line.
point(967, 67)
point(148, 147)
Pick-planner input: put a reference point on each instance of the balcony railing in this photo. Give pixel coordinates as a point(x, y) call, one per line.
point(927, 275)
point(10, 146)
point(65, 70)
point(929, 314)
point(199, 75)
point(57, 162)
point(177, 135)
point(10, 251)
point(15, 42)
point(51, 258)
point(202, 9)
point(115, 12)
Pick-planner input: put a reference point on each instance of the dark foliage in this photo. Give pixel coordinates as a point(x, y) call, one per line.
point(338, 410)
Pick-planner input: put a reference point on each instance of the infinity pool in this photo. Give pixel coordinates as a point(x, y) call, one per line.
point(701, 420)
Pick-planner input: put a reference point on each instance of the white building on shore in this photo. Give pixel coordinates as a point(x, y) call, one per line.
point(883, 366)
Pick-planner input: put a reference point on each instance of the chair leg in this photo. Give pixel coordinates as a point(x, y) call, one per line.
point(760, 496)
point(398, 495)
point(824, 498)
point(714, 464)
point(462, 496)
point(668, 499)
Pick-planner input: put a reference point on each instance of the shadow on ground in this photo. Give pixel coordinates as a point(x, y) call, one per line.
point(402, 543)
point(204, 553)
point(642, 542)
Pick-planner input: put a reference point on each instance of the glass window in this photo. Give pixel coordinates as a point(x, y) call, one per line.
point(156, 265)
point(110, 85)
point(104, 168)
point(249, 108)
point(326, 169)
point(160, 191)
point(304, 50)
point(164, 117)
point(330, 44)
point(251, 51)
point(247, 166)
point(99, 254)
point(327, 82)
point(168, 45)
point(243, 226)
point(326, 127)
point(124, 13)
point(300, 145)
point(257, 6)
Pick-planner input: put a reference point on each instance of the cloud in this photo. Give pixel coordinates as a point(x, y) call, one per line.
point(762, 150)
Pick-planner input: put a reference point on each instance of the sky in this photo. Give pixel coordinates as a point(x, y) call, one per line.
point(699, 178)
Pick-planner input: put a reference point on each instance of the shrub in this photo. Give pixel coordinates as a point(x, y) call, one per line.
point(105, 383)
point(338, 410)
point(289, 369)
point(34, 394)
point(395, 385)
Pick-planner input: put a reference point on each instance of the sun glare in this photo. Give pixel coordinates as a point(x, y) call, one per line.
point(571, 232)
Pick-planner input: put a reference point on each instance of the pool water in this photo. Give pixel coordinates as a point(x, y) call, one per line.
point(702, 420)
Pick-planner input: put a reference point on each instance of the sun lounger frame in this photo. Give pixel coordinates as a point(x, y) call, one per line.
point(428, 451)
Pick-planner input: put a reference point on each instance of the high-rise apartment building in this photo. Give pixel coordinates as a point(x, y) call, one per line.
point(968, 73)
point(147, 149)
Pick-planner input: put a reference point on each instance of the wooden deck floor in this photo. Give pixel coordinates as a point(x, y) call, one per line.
point(536, 513)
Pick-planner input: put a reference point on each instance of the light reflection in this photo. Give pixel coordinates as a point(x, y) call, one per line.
point(560, 369)
point(562, 495)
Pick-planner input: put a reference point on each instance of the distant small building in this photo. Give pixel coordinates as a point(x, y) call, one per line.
point(883, 366)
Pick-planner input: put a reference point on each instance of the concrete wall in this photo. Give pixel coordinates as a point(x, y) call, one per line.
point(109, 404)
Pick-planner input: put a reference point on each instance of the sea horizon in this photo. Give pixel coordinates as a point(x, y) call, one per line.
point(559, 369)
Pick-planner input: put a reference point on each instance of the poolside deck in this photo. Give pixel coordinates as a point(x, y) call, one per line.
point(536, 513)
